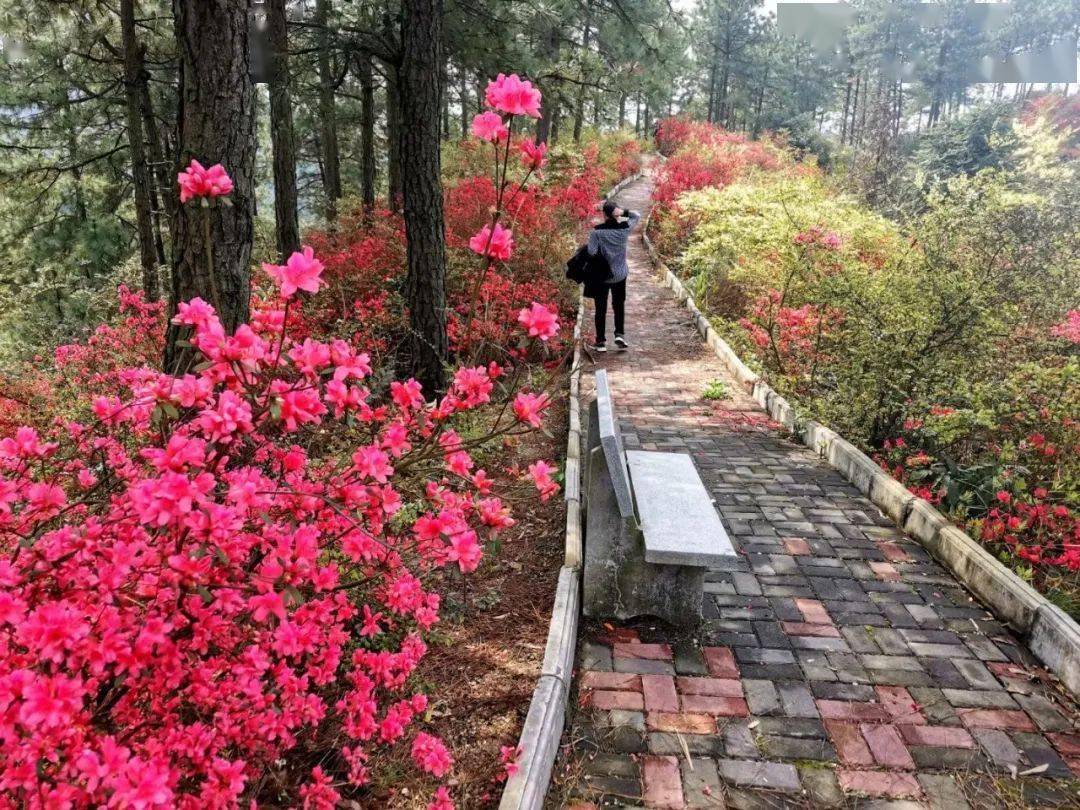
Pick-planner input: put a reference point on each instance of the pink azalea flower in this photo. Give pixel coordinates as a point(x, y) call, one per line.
point(488, 126)
point(371, 462)
point(49, 702)
point(265, 605)
point(497, 245)
point(430, 754)
point(441, 800)
point(407, 394)
point(300, 272)
point(540, 321)
point(533, 155)
point(509, 94)
point(466, 552)
point(529, 408)
point(319, 794)
point(541, 474)
point(198, 181)
point(508, 754)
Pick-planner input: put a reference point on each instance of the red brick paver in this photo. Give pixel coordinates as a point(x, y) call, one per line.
point(880, 784)
point(659, 691)
point(663, 783)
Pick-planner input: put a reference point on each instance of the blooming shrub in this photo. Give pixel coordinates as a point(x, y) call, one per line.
point(702, 156)
point(219, 584)
point(365, 253)
point(184, 573)
point(946, 346)
point(40, 392)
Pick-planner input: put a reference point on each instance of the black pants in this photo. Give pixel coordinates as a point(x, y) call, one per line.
point(618, 303)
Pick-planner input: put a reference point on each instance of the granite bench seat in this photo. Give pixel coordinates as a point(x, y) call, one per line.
point(651, 530)
point(678, 520)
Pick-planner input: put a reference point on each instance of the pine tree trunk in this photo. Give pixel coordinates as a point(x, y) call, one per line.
point(760, 101)
point(140, 173)
point(622, 109)
point(328, 135)
point(161, 190)
point(847, 108)
point(282, 136)
point(549, 46)
point(862, 115)
point(463, 97)
point(393, 140)
point(421, 186)
point(367, 132)
point(216, 124)
point(711, 104)
point(444, 95)
point(854, 108)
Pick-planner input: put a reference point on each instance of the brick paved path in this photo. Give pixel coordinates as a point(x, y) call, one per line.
point(840, 665)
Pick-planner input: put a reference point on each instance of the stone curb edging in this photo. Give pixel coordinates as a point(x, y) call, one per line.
point(527, 788)
point(1050, 633)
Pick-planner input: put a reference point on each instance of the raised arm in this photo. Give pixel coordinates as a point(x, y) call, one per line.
point(594, 243)
point(632, 218)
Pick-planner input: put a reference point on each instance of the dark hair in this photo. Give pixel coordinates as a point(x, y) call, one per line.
point(609, 209)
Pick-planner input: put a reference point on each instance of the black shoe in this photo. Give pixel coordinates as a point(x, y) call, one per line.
point(599, 347)
point(621, 343)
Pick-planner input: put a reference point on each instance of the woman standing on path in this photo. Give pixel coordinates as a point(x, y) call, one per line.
point(610, 238)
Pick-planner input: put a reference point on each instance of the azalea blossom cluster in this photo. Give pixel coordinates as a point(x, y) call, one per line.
point(1036, 529)
point(508, 97)
point(701, 155)
point(204, 575)
point(200, 182)
point(793, 336)
point(1023, 516)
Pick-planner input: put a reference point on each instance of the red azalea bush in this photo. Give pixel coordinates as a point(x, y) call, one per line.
point(539, 220)
point(713, 162)
point(197, 581)
point(102, 362)
point(795, 338)
point(701, 155)
point(215, 587)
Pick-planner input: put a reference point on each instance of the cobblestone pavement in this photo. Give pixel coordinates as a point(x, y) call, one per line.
point(839, 666)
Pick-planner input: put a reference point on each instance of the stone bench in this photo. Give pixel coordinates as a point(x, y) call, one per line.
point(651, 529)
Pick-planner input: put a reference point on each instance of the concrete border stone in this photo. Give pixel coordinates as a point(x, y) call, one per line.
point(1055, 640)
point(923, 522)
point(1050, 633)
point(890, 496)
point(1008, 596)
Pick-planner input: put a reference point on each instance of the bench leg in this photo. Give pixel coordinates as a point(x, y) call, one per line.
point(673, 593)
point(618, 583)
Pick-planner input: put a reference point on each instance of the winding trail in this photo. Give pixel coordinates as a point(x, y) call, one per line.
point(839, 666)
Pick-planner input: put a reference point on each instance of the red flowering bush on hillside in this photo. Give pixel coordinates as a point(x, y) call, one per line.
point(193, 587)
point(711, 163)
point(701, 156)
point(794, 338)
point(1069, 329)
point(1030, 522)
point(543, 198)
point(102, 362)
point(218, 585)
